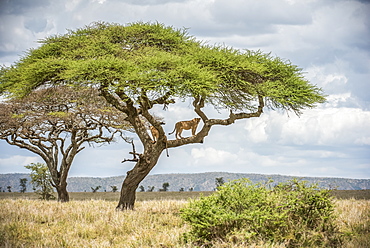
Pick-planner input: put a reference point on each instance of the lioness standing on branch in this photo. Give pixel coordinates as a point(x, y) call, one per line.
point(185, 125)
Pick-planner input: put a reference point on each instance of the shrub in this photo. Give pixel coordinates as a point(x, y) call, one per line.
point(41, 180)
point(291, 213)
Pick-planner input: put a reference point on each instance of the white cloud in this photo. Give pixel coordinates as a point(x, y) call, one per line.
point(257, 129)
point(212, 156)
point(16, 163)
point(330, 76)
point(323, 126)
point(99, 1)
point(252, 17)
point(18, 160)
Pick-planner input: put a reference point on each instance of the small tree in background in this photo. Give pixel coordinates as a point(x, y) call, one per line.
point(141, 188)
point(150, 188)
point(164, 187)
point(41, 180)
point(219, 182)
point(114, 188)
point(23, 185)
point(94, 190)
point(9, 188)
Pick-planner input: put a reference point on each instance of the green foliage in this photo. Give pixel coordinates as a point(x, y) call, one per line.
point(165, 186)
point(114, 188)
point(219, 182)
point(23, 185)
point(141, 188)
point(58, 114)
point(153, 60)
point(291, 213)
point(94, 190)
point(41, 180)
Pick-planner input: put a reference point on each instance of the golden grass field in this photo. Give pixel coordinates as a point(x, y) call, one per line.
point(154, 223)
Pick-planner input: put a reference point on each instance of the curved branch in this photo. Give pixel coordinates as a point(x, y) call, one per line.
point(24, 145)
point(198, 104)
point(233, 117)
point(115, 101)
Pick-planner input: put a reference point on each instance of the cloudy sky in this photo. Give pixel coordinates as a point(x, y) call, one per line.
point(329, 39)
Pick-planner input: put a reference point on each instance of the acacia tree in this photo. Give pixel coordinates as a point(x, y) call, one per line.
point(165, 187)
point(55, 123)
point(141, 65)
point(23, 185)
point(219, 182)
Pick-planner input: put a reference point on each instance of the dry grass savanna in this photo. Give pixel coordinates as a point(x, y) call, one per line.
point(154, 223)
point(169, 195)
point(113, 196)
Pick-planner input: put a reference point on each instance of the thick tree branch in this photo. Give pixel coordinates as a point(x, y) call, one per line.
point(198, 104)
point(114, 100)
point(22, 144)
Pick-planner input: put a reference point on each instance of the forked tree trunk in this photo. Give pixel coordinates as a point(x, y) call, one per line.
point(59, 182)
point(63, 195)
point(134, 178)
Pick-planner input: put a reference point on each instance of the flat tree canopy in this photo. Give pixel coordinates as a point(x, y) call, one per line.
point(139, 65)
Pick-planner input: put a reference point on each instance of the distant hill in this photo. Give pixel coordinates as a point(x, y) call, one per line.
point(197, 181)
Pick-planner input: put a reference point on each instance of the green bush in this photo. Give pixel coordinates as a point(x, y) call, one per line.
point(293, 213)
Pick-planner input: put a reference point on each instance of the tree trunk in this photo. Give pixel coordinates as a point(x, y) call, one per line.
point(59, 182)
point(63, 195)
point(128, 194)
point(134, 178)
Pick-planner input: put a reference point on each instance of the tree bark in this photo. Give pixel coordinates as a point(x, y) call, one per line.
point(59, 178)
point(134, 177)
point(63, 195)
point(60, 184)
point(152, 151)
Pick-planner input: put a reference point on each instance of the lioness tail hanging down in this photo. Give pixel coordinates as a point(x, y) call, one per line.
point(155, 135)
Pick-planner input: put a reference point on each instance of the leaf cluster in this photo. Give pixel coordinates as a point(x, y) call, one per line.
point(41, 180)
point(291, 213)
point(150, 60)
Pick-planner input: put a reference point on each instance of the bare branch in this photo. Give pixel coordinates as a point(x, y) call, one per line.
point(134, 153)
